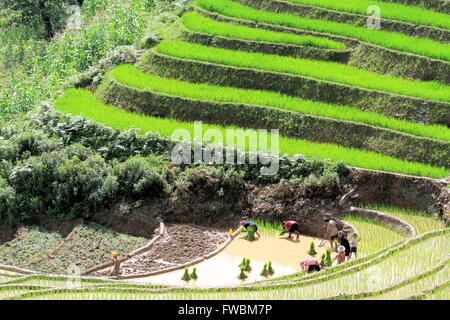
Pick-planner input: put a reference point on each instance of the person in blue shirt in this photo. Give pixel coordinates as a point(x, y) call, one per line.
point(247, 224)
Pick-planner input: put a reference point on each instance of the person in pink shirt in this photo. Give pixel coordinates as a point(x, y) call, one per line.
point(340, 257)
point(292, 227)
point(309, 265)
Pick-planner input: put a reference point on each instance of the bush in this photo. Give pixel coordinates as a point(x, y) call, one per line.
point(142, 176)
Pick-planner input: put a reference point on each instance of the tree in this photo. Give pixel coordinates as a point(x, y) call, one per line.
point(47, 13)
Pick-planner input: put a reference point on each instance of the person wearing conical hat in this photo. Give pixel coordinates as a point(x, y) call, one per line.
point(116, 267)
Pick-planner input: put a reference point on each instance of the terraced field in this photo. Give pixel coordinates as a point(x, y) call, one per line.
point(374, 99)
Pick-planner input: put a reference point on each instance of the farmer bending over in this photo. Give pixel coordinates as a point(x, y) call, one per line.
point(116, 261)
point(247, 224)
point(332, 232)
point(310, 264)
point(292, 227)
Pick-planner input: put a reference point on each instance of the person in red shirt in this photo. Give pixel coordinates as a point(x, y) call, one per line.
point(292, 227)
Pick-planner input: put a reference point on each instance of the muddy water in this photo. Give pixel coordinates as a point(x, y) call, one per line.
point(222, 270)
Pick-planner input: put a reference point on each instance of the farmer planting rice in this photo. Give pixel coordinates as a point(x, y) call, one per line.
point(310, 264)
point(331, 234)
point(292, 227)
point(247, 224)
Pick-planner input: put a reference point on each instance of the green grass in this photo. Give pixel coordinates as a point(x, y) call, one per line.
point(131, 76)
point(81, 102)
point(329, 71)
point(391, 40)
point(373, 235)
point(391, 11)
point(421, 221)
point(198, 23)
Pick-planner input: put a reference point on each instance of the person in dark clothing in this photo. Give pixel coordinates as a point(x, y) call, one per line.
point(345, 243)
point(247, 224)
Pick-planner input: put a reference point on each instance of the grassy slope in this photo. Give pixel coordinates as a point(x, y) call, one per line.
point(131, 76)
point(391, 11)
point(329, 71)
point(198, 23)
point(79, 102)
point(391, 40)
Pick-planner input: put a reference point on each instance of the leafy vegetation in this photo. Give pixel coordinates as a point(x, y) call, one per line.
point(131, 76)
point(80, 102)
point(198, 23)
point(87, 247)
point(329, 71)
point(32, 244)
point(33, 69)
point(392, 11)
point(391, 40)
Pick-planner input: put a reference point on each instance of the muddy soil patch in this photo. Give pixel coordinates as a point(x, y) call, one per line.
point(182, 243)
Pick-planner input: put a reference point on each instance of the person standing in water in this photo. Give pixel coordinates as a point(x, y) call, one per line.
point(247, 224)
point(292, 227)
point(331, 234)
point(116, 267)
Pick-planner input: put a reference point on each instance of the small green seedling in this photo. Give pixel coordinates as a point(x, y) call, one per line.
point(312, 250)
point(248, 268)
point(265, 272)
point(270, 268)
point(322, 260)
point(194, 274)
point(328, 260)
point(186, 276)
point(251, 233)
point(242, 275)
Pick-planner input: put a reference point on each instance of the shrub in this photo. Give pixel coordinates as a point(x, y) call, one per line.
point(142, 176)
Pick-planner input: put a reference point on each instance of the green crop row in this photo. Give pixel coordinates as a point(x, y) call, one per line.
point(131, 76)
point(328, 71)
point(198, 23)
point(391, 40)
point(81, 102)
point(373, 235)
point(391, 11)
point(421, 221)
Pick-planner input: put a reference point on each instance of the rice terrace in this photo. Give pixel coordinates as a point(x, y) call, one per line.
point(225, 150)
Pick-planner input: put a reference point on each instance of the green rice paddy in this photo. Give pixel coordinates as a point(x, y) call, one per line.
point(198, 23)
point(328, 71)
point(83, 103)
point(131, 76)
point(390, 40)
point(389, 10)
